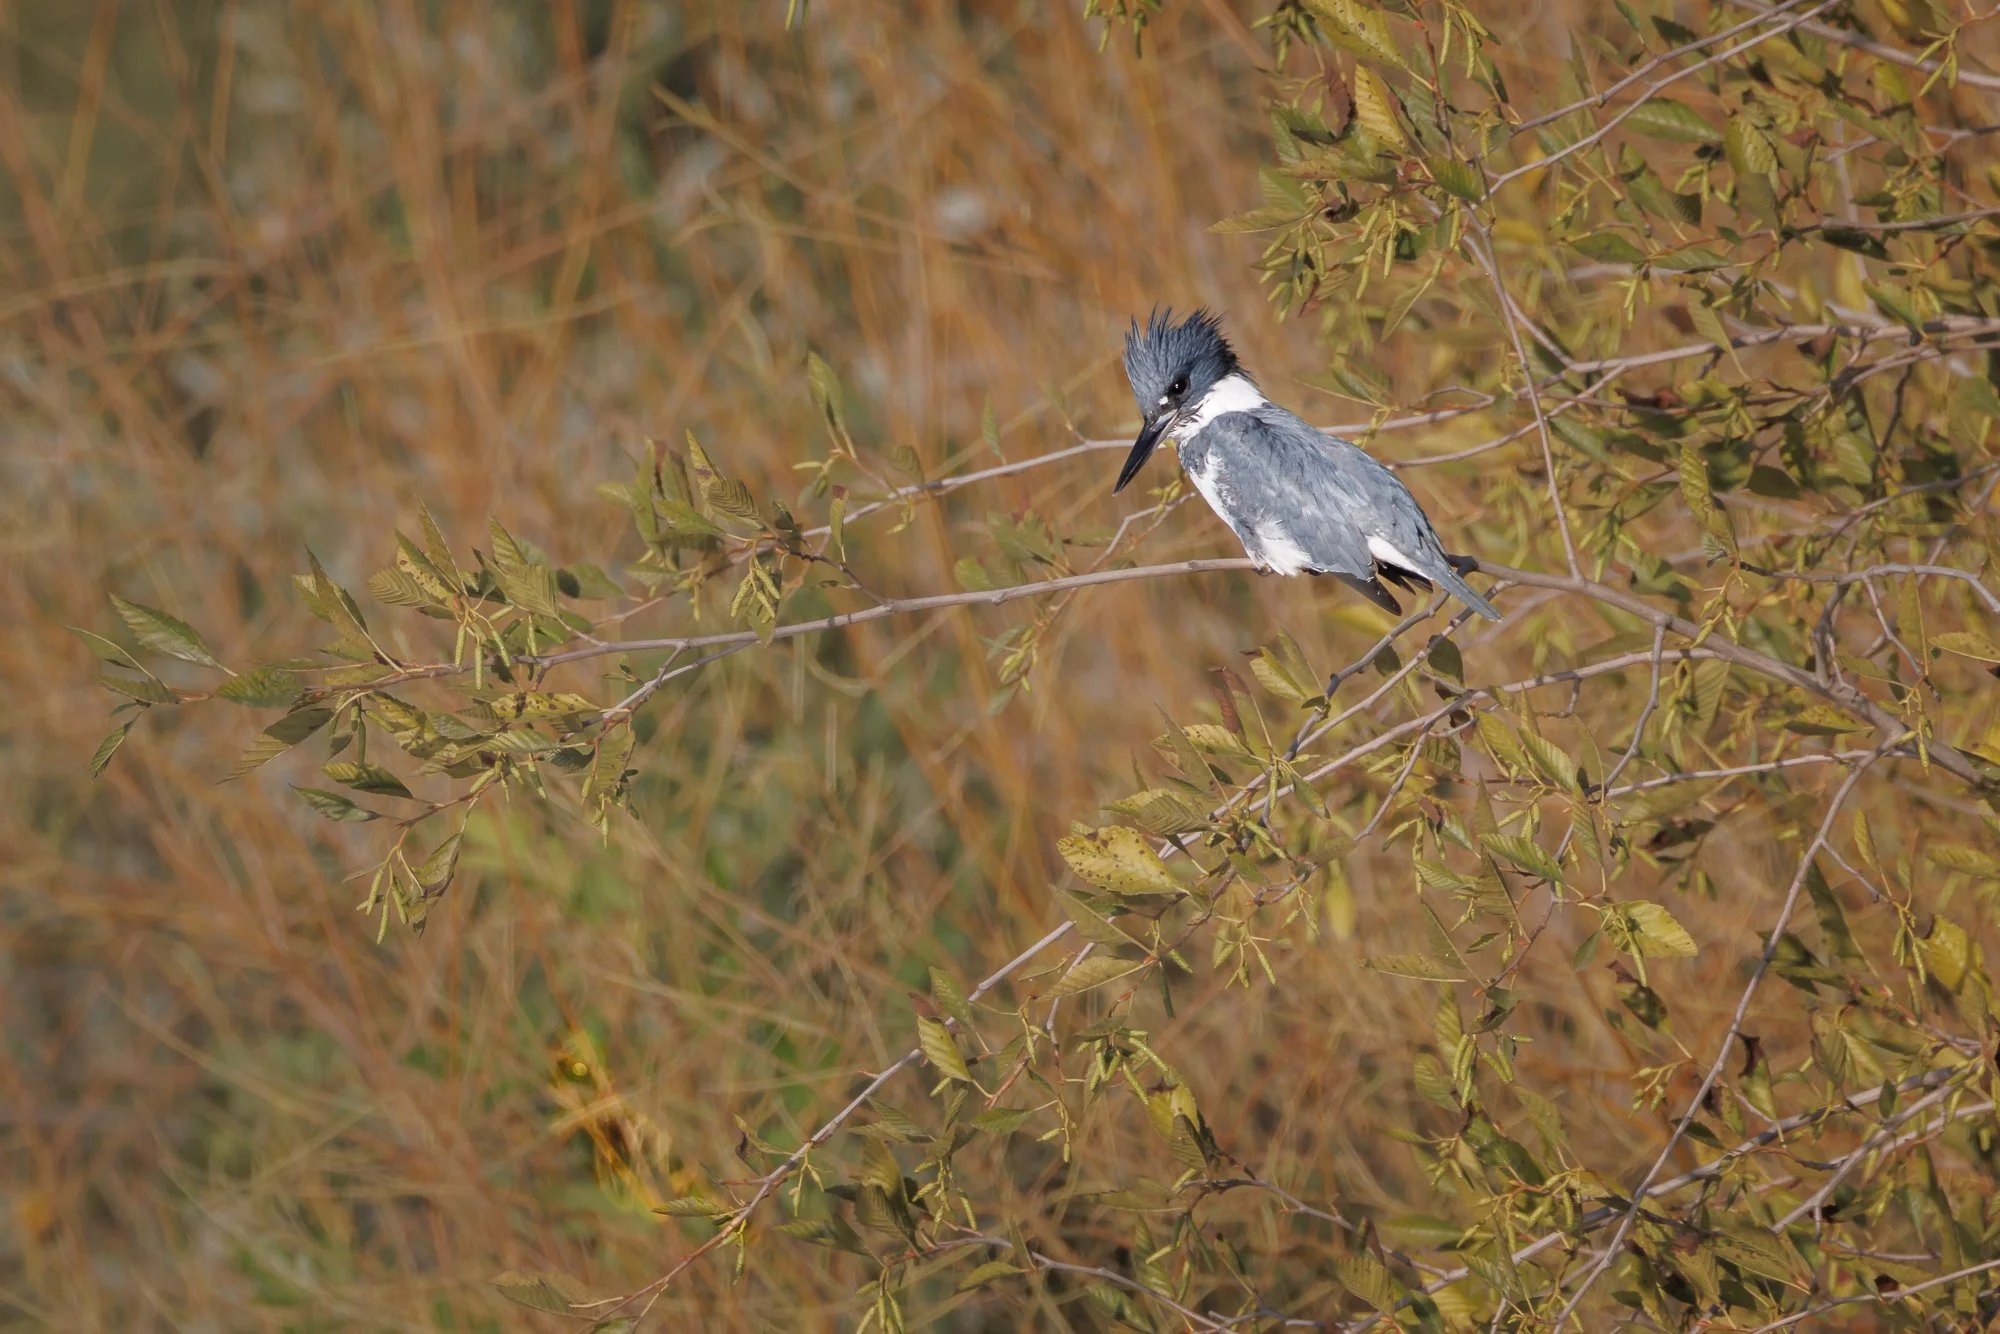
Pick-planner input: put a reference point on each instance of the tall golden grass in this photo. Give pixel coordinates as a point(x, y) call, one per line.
point(275, 273)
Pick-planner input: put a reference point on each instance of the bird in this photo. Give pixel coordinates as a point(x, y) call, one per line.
point(1300, 501)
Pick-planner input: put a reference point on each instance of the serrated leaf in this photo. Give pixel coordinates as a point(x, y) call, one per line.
point(1261, 219)
point(1090, 924)
point(1748, 148)
point(280, 737)
point(941, 1050)
point(1550, 760)
point(1161, 811)
point(1458, 178)
point(529, 586)
point(1272, 674)
point(949, 999)
point(1608, 246)
point(987, 1273)
point(1095, 971)
point(1526, 854)
point(108, 747)
point(1421, 966)
point(1358, 28)
point(1664, 118)
point(1969, 860)
point(147, 690)
point(539, 1292)
point(824, 386)
point(1966, 644)
point(264, 688)
point(1001, 1121)
point(365, 777)
point(106, 650)
point(1656, 932)
point(1824, 720)
point(1118, 859)
point(693, 1206)
point(1367, 1278)
point(437, 870)
point(334, 806)
point(1375, 109)
point(163, 633)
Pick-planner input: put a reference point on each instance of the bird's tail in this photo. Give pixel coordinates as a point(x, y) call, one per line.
point(1448, 579)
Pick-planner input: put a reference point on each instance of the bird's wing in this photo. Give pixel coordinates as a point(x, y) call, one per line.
point(1381, 507)
point(1283, 487)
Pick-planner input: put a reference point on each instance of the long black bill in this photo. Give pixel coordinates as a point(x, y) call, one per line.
point(1142, 449)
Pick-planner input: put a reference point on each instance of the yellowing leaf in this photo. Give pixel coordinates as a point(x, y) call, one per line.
point(1824, 720)
point(1093, 972)
point(1656, 933)
point(1966, 644)
point(163, 633)
point(1375, 109)
point(1357, 27)
point(941, 1050)
point(1421, 966)
point(1118, 859)
point(1749, 150)
point(540, 1292)
point(265, 688)
point(1663, 118)
point(1969, 860)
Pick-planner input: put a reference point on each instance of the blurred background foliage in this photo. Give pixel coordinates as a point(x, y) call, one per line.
point(287, 278)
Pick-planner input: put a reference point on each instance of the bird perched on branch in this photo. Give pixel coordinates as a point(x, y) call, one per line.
point(1300, 501)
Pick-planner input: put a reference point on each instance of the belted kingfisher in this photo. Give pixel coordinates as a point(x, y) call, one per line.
point(1299, 500)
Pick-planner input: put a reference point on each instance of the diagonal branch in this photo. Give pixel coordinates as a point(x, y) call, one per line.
point(1611, 1248)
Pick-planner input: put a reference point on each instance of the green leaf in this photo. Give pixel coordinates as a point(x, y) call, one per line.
point(824, 386)
point(1458, 178)
point(105, 650)
point(1656, 933)
point(1375, 109)
point(108, 747)
point(1966, 644)
point(1162, 811)
point(950, 1000)
point(1357, 27)
point(941, 1050)
point(1118, 859)
point(1824, 720)
point(1001, 1121)
point(264, 688)
point(541, 1292)
point(1609, 247)
point(526, 584)
point(1526, 854)
point(147, 690)
point(280, 737)
point(1421, 966)
point(1367, 1278)
point(986, 1273)
point(1748, 148)
point(439, 868)
point(1664, 118)
point(163, 633)
point(1969, 860)
point(365, 777)
point(334, 806)
point(1093, 972)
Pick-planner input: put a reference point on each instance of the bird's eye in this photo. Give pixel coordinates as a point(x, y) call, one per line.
point(1178, 387)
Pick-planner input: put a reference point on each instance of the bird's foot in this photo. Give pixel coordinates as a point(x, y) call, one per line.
point(1463, 564)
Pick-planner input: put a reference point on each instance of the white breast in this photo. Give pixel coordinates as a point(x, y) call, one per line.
point(1232, 393)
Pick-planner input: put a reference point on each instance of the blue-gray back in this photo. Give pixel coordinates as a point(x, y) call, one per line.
point(1329, 496)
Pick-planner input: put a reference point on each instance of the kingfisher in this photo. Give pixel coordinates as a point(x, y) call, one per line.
point(1300, 501)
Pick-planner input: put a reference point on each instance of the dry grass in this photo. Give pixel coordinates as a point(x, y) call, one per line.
point(274, 272)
